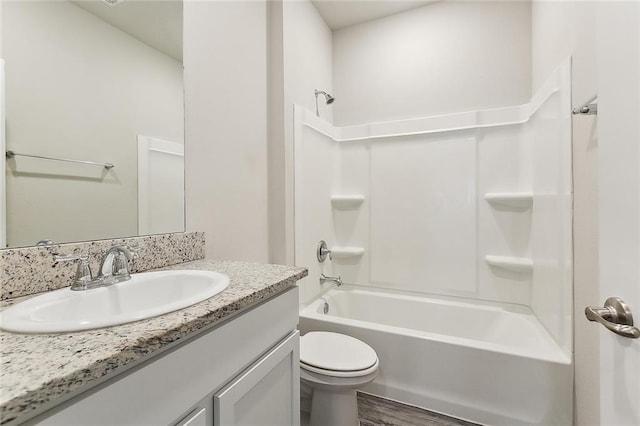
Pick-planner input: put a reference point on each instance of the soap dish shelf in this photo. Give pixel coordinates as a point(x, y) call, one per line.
point(513, 200)
point(509, 263)
point(346, 202)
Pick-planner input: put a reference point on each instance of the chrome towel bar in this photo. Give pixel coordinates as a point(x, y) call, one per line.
point(10, 154)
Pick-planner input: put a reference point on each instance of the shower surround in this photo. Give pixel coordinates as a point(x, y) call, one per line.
point(474, 205)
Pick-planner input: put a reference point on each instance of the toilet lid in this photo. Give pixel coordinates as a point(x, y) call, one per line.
point(335, 351)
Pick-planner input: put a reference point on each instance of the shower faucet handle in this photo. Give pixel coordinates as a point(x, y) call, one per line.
point(323, 251)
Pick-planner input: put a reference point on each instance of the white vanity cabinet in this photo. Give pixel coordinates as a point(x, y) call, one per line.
point(242, 372)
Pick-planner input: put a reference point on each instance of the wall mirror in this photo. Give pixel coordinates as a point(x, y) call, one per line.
point(98, 81)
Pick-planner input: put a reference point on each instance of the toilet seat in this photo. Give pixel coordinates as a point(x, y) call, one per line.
point(336, 373)
point(336, 355)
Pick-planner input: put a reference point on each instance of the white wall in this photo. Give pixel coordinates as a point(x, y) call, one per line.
point(307, 52)
point(442, 58)
point(1, 31)
point(299, 62)
point(307, 56)
point(3, 178)
point(248, 147)
point(225, 60)
point(300, 50)
point(79, 88)
point(278, 169)
point(561, 29)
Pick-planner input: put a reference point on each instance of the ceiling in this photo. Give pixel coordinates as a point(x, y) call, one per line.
point(157, 23)
point(343, 13)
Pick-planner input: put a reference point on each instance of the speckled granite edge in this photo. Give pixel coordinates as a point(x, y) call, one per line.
point(39, 370)
point(32, 270)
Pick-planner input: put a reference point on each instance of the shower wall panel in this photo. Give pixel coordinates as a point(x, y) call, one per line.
point(351, 225)
point(316, 166)
point(423, 214)
point(551, 231)
point(503, 168)
point(419, 231)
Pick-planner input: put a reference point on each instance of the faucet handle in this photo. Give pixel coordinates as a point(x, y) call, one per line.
point(135, 248)
point(129, 251)
point(119, 249)
point(83, 274)
point(70, 257)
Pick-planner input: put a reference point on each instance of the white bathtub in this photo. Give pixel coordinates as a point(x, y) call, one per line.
point(484, 362)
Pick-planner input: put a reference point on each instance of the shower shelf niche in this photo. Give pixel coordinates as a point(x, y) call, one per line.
point(513, 200)
point(509, 263)
point(345, 202)
point(343, 252)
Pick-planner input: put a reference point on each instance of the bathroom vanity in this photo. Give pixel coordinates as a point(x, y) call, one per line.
point(232, 359)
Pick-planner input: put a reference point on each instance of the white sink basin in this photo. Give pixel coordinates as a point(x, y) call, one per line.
point(146, 295)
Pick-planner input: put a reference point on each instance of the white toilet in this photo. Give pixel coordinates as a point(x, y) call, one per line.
point(332, 367)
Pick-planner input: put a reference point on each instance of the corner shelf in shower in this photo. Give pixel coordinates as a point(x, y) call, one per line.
point(514, 200)
point(509, 263)
point(344, 202)
point(344, 252)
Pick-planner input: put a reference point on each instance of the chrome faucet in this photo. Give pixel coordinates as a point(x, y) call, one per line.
point(325, 279)
point(114, 268)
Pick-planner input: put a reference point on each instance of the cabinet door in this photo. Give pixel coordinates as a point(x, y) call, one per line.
point(197, 417)
point(265, 394)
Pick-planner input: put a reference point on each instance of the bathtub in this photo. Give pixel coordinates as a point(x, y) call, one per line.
point(483, 362)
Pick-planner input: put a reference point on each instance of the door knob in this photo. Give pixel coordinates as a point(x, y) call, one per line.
point(615, 316)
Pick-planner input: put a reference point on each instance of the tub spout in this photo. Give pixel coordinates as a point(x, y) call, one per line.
point(325, 279)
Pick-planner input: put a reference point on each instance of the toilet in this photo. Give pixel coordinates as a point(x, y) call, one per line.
point(332, 367)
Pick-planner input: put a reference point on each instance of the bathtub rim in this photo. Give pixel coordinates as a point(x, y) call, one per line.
point(347, 287)
point(552, 353)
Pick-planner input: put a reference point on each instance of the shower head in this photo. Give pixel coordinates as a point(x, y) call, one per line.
point(328, 99)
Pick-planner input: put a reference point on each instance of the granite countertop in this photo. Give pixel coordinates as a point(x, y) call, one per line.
point(39, 371)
